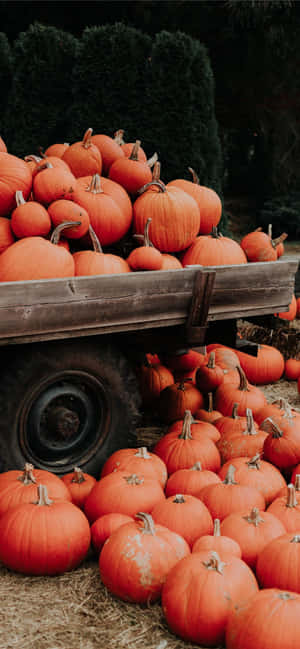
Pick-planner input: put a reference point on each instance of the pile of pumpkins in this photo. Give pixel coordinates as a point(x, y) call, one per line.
point(59, 210)
point(207, 521)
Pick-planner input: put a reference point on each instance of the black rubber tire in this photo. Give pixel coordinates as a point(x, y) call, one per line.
point(29, 375)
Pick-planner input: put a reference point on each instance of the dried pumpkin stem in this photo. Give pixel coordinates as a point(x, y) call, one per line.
point(78, 475)
point(229, 478)
point(27, 476)
point(254, 517)
point(156, 183)
point(210, 406)
point(179, 498)
point(148, 523)
point(272, 428)
point(254, 462)
point(19, 198)
point(250, 427)
point(295, 539)
point(55, 237)
point(43, 498)
point(143, 452)
point(95, 241)
point(95, 185)
point(156, 172)
point(291, 497)
point(186, 432)
point(133, 479)
point(118, 137)
point(211, 364)
point(152, 161)
point(86, 142)
point(217, 527)
point(297, 482)
point(195, 178)
point(243, 386)
point(215, 563)
point(196, 467)
point(135, 151)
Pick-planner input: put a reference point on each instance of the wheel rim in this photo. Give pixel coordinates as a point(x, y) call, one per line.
point(64, 421)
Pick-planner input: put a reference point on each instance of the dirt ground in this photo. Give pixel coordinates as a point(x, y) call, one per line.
point(75, 611)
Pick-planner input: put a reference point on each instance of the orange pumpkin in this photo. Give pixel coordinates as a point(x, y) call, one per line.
point(79, 485)
point(14, 175)
point(137, 461)
point(109, 148)
point(97, 262)
point(83, 158)
point(6, 233)
point(217, 542)
point(208, 201)
point(213, 250)
point(29, 219)
point(130, 172)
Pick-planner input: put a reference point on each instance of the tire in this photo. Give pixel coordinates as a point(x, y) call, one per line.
point(66, 404)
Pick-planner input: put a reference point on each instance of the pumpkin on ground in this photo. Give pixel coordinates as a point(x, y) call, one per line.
point(266, 367)
point(138, 573)
point(137, 460)
point(14, 175)
point(18, 487)
point(248, 441)
point(184, 514)
point(245, 395)
point(79, 485)
point(43, 537)
point(190, 481)
point(104, 526)
point(153, 378)
point(175, 399)
point(278, 563)
point(257, 473)
point(287, 509)
point(217, 542)
point(229, 496)
point(199, 593)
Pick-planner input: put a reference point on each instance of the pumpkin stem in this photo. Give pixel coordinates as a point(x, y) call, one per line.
point(211, 364)
point(217, 527)
point(215, 563)
point(118, 136)
point(19, 198)
point(281, 239)
point(143, 452)
point(243, 380)
point(270, 427)
point(86, 142)
point(186, 432)
point(78, 476)
point(55, 236)
point(229, 478)
point(214, 233)
point(285, 596)
point(33, 158)
point(156, 171)
point(152, 161)
point(157, 183)
point(195, 178)
point(250, 427)
point(43, 498)
point(297, 482)
point(254, 463)
point(291, 497)
point(234, 414)
point(295, 539)
point(135, 150)
point(196, 467)
point(144, 238)
point(27, 476)
point(179, 498)
point(133, 479)
point(95, 241)
point(95, 185)
point(210, 406)
point(148, 523)
point(254, 517)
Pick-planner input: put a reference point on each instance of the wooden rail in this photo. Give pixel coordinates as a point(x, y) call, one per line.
point(81, 306)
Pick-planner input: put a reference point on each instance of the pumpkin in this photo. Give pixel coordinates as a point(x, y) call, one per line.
point(6, 233)
point(52, 183)
point(190, 481)
point(279, 245)
point(269, 619)
point(83, 158)
point(252, 530)
point(217, 542)
point(209, 376)
point(54, 161)
point(128, 146)
point(208, 201)
point(180, 450)
point(225, 357)
point(287, 509)
point(104, 526)
point(153, 378)
point(57, 150)
point(229, 496)
point(232, 423)
point(213, 250)
point(79, 485)
point(277, 410)
point(44, 537)
point(170, 262)
point(184, 360)
point(138, 574)
point(123, 493)
point(138, 460)
point(146, 257)
point(36, 258)
point(208, 414)
point(3, 147)
point(282, 444)
point(257, 473)
point(175, 216)
point(65, 210)
point(14, 175)
point(245, 395)
point(199, 593)
point(292, 369)
point(131, 173)
point(29, 219)
point(266, 367)
point(18, 487)
point(175, 399)
point(184, 514)
point(248, 441)
point(258, 246)
point(198, 427)
point(298, 307)
point(291, 313)
point(97, 262)
point(278, 564)
point(108, 206)
point(109, 148)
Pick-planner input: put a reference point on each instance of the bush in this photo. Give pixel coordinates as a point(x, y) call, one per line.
point(6, 75)
point(284, 213)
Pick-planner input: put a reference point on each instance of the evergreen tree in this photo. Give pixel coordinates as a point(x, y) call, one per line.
point(6, 73)
point(109, 82)
point(36, 112)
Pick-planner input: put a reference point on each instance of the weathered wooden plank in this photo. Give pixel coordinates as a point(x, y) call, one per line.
point(118, 303)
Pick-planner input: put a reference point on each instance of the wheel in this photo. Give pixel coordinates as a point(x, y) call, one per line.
point(66, 404)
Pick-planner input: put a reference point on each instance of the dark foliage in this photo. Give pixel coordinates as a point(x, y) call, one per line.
point(284, 213)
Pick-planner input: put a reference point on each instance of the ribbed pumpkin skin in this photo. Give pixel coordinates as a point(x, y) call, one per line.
point(184, 514)
point(175, 218)
point(79, 485)
point(44, 540)
point(52, 184)
point(291, 313)
point(110, 150)
point(30, 219)
point(292, 369)
point(197, 600)
point(35, 258)
point(266, 367)
point(210, 251)
point(245, 395)
point(222, 544)
point(138, 574)
point(83, 161)
point(119, 492)
point(258, 247)
point(270, 619)
point(89, 262)
point(175, 399)
point(3, 147)
point(208, 201)
point(65, 210)
point(137, 460)
point(6, 234)
point(278, 563)
point(57, 149)
point(223, 499)
point(199, 429)
point(260, 474)
point(15, 175)
point(104, 526)
point(190, 481)
point(153, 378)
point(130, 174)
point(183, 453)
point(288, 514)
